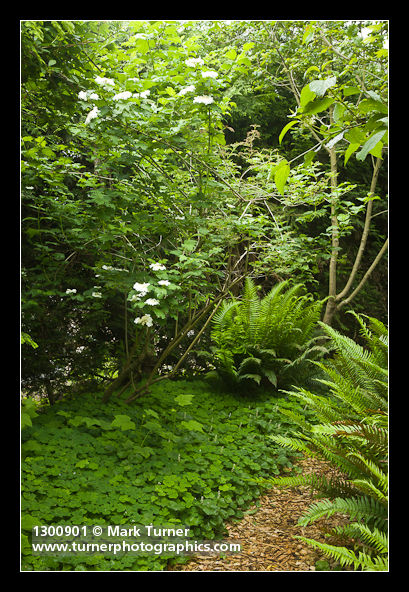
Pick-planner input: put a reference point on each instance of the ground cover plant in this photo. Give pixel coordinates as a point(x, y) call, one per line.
point(183, 456)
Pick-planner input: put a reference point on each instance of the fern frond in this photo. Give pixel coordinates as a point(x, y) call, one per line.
point(346, 556)
point(357, 508)
point(373, 537)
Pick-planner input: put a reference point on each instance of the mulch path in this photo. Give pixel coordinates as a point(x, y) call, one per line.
point(267, 535)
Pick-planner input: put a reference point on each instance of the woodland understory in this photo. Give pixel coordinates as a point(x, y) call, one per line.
point(204, 291)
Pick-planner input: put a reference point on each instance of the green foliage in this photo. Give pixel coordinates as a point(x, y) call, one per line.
point(267, 340)
point(158, 461)
point(351, 432)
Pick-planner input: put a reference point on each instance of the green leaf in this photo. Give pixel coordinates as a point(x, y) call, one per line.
point(355, 136)
point(317, 106)
point(192, 425)
point(25, 421)
point(351, 90)
point(320, 87)
point(370, 145)
point(306, 95)
point(271, 375)
point(349, 151)
point(335, 140)
point(368, 105)
point(281, 175)
point(184, 400)
point(338, 113)
point(124, 422)
point(308, 35)
point(285, 130)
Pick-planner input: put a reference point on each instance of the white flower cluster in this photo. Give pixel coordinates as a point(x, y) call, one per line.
point(71, 291)
point(84, 96)
point(187, 89)
point(92, 115)
point(205, 99)
point(192, 62)
point(122, 95)
point(142, 290)
point(142, 95)
point(145, 320)
point(157, 266)
point(210, 74)
point(110, 268)
point(104, 81)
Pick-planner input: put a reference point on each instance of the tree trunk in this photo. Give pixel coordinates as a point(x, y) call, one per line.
point(331, 307)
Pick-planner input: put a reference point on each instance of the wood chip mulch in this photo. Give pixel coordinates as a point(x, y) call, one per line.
point(267, 535)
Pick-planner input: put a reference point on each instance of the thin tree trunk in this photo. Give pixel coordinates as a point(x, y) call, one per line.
point(331, 307)
point(365, 234)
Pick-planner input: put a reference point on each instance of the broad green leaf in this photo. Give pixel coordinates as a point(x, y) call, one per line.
point(334, 141)
point(310, 69)
point(285, 130)
point(306, 95)
point(317, 106)
point(377, 151)
point(25, 421)
point(320, 87)
point(355, 136)
point(351, 90)
point(370, 144)
point(124, 422)
point(338, 113)
point(184, 400)
point(231, 54)
point(349, 151)
point(368, 105)
point(192, 425)
point(281, 176)
point(308, 35)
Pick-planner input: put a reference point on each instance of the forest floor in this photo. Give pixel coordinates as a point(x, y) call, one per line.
point(267, 533)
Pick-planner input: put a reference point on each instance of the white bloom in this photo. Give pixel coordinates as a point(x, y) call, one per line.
point(187, 89)
point(92, 115)
point(210, 74)
point(164, 283)
point(96, 294)
point(69, 291)
point(82, 95)
point(104, 81)
point(205, 99)
point(192, 62)
point(122, 95)
point(142, 95)
point(157, 266)
point(110, 268)
point(29, 187)
point(141, 287)
point(145, 320)
point(94, 96)
point(152, 301)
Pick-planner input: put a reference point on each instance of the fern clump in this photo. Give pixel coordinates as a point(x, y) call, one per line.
point(351, 432)
point(266, 341)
